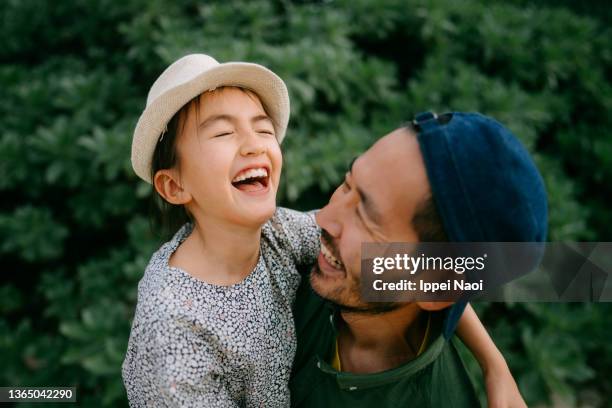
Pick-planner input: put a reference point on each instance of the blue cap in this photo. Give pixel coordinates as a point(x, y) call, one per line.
point(484, 183)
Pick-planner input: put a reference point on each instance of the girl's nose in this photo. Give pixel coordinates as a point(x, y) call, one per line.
point(252, 145)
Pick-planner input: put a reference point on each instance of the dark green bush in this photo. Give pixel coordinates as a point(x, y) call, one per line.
point(74, 228)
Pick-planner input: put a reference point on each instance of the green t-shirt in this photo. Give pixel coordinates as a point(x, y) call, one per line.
point(436, 378)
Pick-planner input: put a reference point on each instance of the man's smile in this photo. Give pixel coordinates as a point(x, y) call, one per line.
point(329, 257)
point(328, 263)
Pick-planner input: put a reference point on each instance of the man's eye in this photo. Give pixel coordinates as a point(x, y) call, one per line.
point(266, 132)
point(359, 215)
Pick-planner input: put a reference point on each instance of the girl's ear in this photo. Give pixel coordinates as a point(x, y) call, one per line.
point(167, 184)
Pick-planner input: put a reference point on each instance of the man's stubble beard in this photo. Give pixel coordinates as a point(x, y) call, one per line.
point(348, 298)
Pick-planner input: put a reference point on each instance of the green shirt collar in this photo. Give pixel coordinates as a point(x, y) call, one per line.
point(351, 381)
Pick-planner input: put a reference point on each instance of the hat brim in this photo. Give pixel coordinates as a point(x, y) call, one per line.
point(266, 84)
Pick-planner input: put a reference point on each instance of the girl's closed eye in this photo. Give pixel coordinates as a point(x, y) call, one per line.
point(217, 129)
point(224, 133)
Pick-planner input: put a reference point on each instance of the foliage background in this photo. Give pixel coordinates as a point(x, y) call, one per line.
point(74, 219)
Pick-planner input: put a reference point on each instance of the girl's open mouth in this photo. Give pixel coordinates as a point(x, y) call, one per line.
point(252, 180)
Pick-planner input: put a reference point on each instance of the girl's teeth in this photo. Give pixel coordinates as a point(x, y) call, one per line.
point(251, 173)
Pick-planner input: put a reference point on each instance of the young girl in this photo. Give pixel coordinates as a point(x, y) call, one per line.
point(213, 324)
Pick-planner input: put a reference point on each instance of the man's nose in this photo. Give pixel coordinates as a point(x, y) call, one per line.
point(328, 219)
point(252, 145)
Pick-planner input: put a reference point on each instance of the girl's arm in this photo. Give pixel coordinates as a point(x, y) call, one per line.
point(502, 391)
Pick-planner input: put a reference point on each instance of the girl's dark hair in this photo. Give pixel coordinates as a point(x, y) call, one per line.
point(169, 217)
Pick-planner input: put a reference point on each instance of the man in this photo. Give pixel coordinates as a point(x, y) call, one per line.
point(457, 177)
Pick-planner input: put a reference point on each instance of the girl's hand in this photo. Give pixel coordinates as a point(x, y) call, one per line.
point(502, 391)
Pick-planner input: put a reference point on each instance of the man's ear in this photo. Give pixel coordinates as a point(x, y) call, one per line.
point(433, 306)
point(167, 184)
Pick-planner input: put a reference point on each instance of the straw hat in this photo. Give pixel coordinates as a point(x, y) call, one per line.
point(187, 78)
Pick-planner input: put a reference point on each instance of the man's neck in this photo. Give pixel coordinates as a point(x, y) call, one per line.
point(370, 343)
